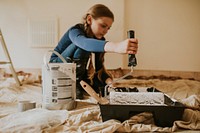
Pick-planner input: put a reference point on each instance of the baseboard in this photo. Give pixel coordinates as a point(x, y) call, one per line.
point(181, 74)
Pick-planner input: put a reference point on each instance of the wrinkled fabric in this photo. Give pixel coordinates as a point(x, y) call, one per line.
point(86, 117)
point(34, 120)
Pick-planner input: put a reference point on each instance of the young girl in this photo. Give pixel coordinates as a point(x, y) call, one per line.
point(85, 38)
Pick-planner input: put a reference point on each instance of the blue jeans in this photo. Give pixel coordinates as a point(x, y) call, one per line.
point(73, 52)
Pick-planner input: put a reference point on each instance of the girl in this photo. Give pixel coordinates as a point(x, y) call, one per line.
point(85, 38)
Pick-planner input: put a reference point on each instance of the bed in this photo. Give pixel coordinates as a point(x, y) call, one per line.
point(86, 117)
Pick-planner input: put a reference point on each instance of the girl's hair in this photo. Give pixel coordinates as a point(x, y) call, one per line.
point(100, 10)
point(97, 11)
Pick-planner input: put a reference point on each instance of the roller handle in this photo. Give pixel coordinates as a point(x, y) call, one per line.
point(132, 61)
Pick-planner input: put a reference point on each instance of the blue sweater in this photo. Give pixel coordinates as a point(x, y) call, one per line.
point(77, 36)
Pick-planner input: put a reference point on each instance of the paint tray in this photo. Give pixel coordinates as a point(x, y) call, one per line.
point(164, 115)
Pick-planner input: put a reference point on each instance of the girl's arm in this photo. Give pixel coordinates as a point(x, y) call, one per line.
point(78, 37)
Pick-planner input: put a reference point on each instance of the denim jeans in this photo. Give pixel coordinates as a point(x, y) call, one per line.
point(73, 52)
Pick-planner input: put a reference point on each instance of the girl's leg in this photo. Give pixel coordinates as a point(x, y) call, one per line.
point(80, 57)
point(98, 85)
point(68, 54)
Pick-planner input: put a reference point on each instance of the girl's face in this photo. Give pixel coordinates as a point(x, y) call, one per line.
point(100, 26)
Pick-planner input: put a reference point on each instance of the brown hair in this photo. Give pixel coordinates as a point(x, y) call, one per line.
point(97, 11)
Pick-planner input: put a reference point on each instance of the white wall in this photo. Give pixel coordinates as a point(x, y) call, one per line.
point(168, 30)
point(14, 16)
point(168, 33)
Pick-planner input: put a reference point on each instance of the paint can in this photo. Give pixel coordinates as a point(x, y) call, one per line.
point(58, 84)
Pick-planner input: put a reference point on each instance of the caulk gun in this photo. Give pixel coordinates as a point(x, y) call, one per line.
point(132, 62)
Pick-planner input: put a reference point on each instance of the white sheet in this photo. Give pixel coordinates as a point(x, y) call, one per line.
point(87, 117)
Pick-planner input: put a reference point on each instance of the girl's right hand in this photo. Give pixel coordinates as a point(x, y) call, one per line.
point(128, 46)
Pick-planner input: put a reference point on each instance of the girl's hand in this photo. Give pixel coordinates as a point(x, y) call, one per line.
point(128, 46)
